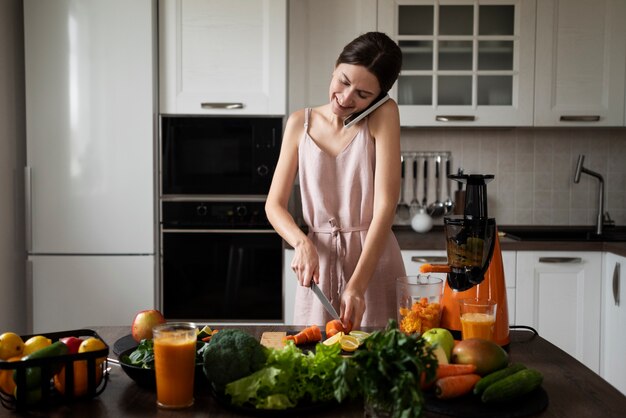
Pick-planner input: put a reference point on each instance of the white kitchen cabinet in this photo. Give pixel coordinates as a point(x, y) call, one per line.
point(318, 31)
point(226, 57)
point(74, 292)
point(613, 331)
point(465, 62)
point(580, 63)
point(559, 294)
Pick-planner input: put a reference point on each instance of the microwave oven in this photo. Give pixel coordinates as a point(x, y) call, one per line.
point(226, 156)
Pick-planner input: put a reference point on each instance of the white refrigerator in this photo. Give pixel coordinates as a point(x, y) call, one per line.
point(90, 127)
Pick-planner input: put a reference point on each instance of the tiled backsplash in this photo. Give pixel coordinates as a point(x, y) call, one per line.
point(534, 170)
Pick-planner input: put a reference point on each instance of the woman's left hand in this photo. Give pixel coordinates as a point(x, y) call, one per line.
point(352, 306)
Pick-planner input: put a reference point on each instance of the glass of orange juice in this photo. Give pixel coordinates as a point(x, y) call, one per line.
point(174, 363)
point(478, 318)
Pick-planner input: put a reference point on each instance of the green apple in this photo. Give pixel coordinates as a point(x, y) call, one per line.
point(441, 337)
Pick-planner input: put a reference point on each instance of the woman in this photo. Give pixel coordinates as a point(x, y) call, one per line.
point(350, 182)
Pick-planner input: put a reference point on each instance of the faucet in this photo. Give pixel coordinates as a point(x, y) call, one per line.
point(580, 169)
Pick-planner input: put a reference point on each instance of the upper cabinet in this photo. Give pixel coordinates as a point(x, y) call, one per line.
point(318, 31)
point(226, 57)
point(465, 62)
point(580, 63)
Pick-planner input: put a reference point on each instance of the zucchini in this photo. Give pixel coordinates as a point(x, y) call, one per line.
point(512, 386)
point(491, 378)
point(33, 374)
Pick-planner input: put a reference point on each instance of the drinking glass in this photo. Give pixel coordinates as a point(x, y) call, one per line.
point(478, 318)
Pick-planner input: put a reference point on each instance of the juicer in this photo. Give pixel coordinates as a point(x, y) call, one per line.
point(474, 268)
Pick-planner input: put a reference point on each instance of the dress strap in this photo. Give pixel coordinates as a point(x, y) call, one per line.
point(307, 116)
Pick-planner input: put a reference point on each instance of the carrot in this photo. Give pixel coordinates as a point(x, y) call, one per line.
point(445, 370)
point(455, 386)
point(434, 268)
point(308, 335)
point(335, 326)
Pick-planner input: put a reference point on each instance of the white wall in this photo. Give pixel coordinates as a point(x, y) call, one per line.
point(12, 160)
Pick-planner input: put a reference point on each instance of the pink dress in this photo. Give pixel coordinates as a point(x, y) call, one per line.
point(337, 204)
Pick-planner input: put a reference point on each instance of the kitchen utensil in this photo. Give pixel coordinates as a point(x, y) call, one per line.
point(448, 204)
point(425, 197)
point(415, 205)
point(437, 208)
point(421, 221)
point(402, 210)
point(322, 297)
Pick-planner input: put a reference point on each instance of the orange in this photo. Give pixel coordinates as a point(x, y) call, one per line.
point(80, 369)
point(7, 384)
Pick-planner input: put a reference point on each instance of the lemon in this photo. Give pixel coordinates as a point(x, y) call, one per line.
point(349, 343)
point(35, 343)
point(91, 344)
point(334, 339)
point(11, 345)
point(360, 335)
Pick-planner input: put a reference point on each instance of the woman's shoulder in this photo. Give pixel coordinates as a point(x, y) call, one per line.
point(387, 115)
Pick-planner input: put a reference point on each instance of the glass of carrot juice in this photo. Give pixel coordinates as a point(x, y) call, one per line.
point(174, 363)
point(478, 318)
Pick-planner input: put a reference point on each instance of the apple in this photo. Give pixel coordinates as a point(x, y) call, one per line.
point(441, 337)
point(72, 343)
point(144, 322)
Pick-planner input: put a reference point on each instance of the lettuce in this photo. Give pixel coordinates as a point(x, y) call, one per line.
point(289, 377)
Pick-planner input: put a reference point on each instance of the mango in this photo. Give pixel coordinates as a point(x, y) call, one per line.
point(486, 355)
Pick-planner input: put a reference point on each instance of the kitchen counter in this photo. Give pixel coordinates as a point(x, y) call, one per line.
point(435, 240)
point(573, 389)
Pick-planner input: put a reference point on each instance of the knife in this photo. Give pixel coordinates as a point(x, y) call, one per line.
point(322, 297)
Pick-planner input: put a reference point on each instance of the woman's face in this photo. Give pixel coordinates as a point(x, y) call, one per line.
point(352, 89)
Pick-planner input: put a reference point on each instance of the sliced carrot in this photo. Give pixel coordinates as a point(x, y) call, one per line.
point(455, 386)
point(308, 335)
point(434, 268)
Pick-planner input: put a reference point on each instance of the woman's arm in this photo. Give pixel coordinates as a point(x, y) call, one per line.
point(306, 261)
point(384, 125)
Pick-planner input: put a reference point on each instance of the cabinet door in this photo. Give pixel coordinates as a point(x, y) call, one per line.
point(580, 63)
point(224, 57)
point(559, 293)
point(318, 31)
point(465, 62)
point(612, 359)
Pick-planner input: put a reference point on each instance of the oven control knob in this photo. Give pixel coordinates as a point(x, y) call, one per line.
point(241, 210)
point(262, 170)
point(202, 210)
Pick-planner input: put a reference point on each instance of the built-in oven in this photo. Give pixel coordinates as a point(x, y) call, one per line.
point(203, 155)
point(220, 259)
point(221, 262)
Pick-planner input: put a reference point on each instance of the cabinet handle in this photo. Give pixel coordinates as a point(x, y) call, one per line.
point(429, 259)
point(616, 280)
point(576, 260)
point(590, 118)
point(454, 118)
point(221, 105)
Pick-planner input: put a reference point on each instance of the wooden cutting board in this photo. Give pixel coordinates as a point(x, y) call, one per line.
point(273, 339)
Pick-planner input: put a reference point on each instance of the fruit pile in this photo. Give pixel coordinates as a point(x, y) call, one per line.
point(17, 355)
point(420, 317)
point(476, 366)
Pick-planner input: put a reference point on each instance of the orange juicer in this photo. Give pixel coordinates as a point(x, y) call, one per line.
point(474, 268)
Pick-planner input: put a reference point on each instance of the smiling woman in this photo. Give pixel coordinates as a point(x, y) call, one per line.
point(349, 182)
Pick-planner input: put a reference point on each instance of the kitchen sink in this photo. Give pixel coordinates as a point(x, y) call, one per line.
point(611, 234)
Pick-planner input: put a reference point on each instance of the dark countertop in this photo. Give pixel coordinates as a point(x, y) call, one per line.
point(435, 240)
point(573, 389)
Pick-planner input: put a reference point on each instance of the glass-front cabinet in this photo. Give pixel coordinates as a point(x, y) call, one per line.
point(465, 62)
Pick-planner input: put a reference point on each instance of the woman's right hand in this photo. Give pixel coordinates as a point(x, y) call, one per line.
point(305, 263)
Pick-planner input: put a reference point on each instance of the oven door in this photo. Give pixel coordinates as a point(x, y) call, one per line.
point(219, 155)
point(222, 275)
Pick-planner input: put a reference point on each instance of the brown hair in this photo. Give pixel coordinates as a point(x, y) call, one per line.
point(376, 52)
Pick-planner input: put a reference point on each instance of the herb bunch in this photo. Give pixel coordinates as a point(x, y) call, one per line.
point(387, 372)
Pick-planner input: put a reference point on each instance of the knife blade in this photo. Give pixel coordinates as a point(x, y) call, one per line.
point(322, 297)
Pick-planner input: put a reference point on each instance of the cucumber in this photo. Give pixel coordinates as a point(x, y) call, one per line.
point(491, 378)
point(33, 374)
point(512, 386)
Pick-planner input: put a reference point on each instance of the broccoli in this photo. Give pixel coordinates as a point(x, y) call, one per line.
point(230, 355)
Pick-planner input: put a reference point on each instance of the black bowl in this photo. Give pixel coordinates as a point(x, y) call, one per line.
point(146, 377)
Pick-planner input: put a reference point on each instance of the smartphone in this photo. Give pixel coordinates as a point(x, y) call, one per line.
point(355, 117)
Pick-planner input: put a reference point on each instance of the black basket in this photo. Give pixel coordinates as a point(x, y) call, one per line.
point(50, 366)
